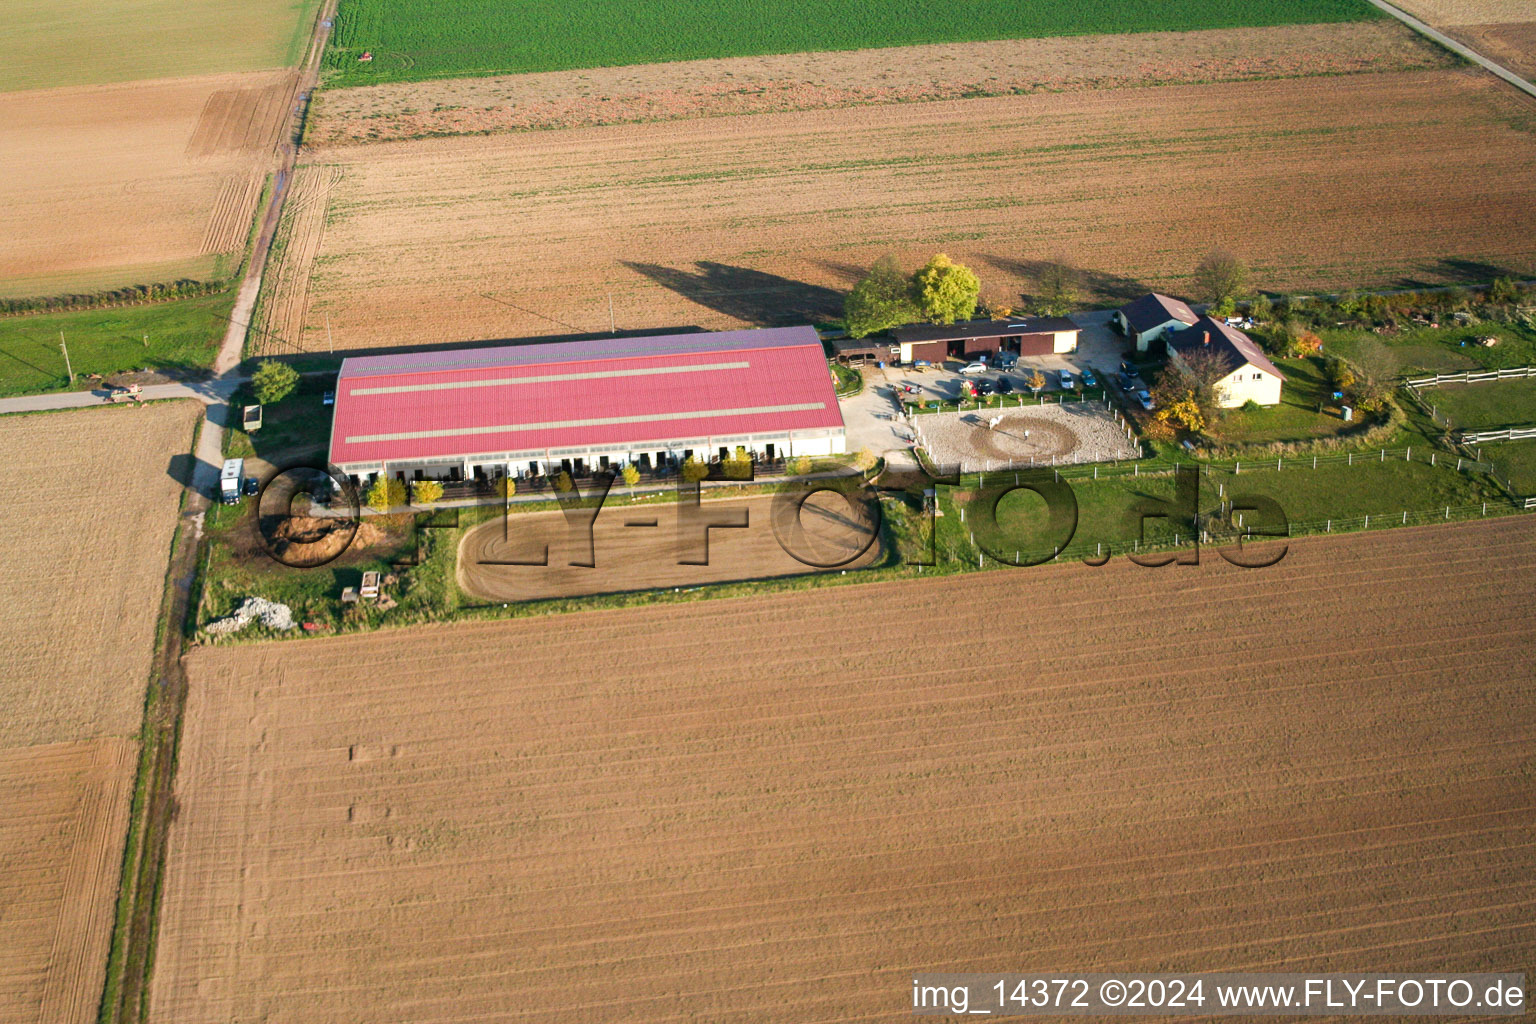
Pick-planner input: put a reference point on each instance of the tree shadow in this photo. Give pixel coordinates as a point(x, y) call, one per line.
point(181, 468)
point(1094, 282)
point(1459, 271)
point(767, 300)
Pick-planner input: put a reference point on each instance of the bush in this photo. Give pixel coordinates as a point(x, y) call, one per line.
point(386, 493)
point(505, 487)
point(1251, 406)
point(738, 466)
point(1260, 308)
point(273, 381)
point(694, 470)
point(425, 492)
point(563, 482)
point(865, 459)
point(800, 465)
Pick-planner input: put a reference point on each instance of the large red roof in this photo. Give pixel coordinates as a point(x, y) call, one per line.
point(612, 392)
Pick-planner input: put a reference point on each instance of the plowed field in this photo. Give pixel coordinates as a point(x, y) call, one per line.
point(1372, 179)
point(1501, 30)
point(777, 808)
point(88, 529)
point(130, 184)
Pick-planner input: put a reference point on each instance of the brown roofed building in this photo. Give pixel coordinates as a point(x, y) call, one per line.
point(1250, 376)
point(1151, 317)
point(1026, 336)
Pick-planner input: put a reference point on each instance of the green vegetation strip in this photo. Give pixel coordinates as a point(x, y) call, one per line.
point(419, 39)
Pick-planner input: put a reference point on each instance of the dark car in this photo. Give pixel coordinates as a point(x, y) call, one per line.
point(251, 486)
point(1126, 383)
point(329, 398)
point(1004, 386)
point(985, 387)
point(1089, 380)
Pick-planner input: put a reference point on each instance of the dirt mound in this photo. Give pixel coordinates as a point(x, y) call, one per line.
point(312, 539)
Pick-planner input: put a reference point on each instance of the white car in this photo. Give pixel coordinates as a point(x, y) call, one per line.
point(1145, 398)
point(974, 368)
point(1066, 380)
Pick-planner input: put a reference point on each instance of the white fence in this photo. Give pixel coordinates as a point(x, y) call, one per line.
point(1505, 434)
point(1470, 377)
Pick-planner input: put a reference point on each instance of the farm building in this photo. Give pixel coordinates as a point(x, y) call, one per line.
point(536, 408)
point(1250, 376)
point(1029, 336)
point(1151, 316)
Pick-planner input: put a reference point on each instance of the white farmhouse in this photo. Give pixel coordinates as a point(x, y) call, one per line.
point(1250, 377)
point(1151, 317)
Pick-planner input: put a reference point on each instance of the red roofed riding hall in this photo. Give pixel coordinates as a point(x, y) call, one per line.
point(583, 406)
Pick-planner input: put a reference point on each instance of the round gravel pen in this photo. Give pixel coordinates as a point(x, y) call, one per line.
point(1051, 435)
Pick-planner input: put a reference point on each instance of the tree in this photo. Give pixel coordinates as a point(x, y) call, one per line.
point(879, 302)
point(273, 381)
point(1220, 276)
point(425, 492)
point(1036, 382)
point(1260, 308)
point(1194, 377)
point(1375, 372)
point(505, 487)
point(945, 291)
point(563, 482)
point(631, 474)
point(694, 470)
point(1504, 291)
point(1059, 291)
point(386, 493)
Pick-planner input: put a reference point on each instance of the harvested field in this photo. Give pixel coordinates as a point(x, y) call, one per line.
point(740, 810)
point(1511, 44)
point(1046, 435)
point(1376, 179)
point(61, 841)
point(91, 42)
point(1467, 12)
point(284, 302)
point(106, 187)
point(742, 85)
point(80, 588)
point(89, 525)
point(641, 547)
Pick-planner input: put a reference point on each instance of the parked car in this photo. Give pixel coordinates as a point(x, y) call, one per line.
point(1145, 398)
point(985, 387)
point(1006, 360)
point(251, 486)
point(1126, 382)
point(1129, 369)
point(974, 368)
point(1066, 380)
point(329, 398)
point(1004, 386)
point(1089, 380)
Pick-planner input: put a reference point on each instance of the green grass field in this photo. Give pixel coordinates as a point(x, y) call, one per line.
point(182, 335)
point(1516, 461)
point(90, 42)
point(1296, 418)
point(420, 39)
point(1487, 406)
point(1447, 350)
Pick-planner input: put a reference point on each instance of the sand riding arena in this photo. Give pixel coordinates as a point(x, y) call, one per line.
point(1047, 434)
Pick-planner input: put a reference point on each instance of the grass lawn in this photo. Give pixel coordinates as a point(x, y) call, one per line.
point(88, 42)
point(1500, 403)
point(182, 335)
point(1337, 492)
point(1515, 460)
point(1296, 418)
point(297, 428)
point(419, 39)
point(1447, 350)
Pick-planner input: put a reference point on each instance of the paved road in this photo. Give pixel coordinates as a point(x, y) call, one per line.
point(1457, 48)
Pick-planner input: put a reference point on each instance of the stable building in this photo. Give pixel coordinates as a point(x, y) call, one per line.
point(1248, 375)
point(1152, 317)
point(1028, 336)
point(585, 406)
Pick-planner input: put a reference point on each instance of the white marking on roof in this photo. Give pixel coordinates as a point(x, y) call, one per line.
point(549, 378)
point(604, 421)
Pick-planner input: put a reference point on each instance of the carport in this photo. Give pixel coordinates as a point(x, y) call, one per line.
point(982, 339)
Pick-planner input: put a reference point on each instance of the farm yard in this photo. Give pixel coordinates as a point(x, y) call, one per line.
point(749, 85)
point(615, 821)
point(80, 592)
point(418, 39)
point(1386, 179)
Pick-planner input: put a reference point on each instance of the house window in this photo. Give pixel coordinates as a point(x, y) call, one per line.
point(1258, 376)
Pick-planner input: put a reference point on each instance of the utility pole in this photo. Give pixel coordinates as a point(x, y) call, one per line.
point(613, 326)
point(67, 368)
point(330, 345)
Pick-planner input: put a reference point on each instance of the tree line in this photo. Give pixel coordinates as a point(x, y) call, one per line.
point(184, 288)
